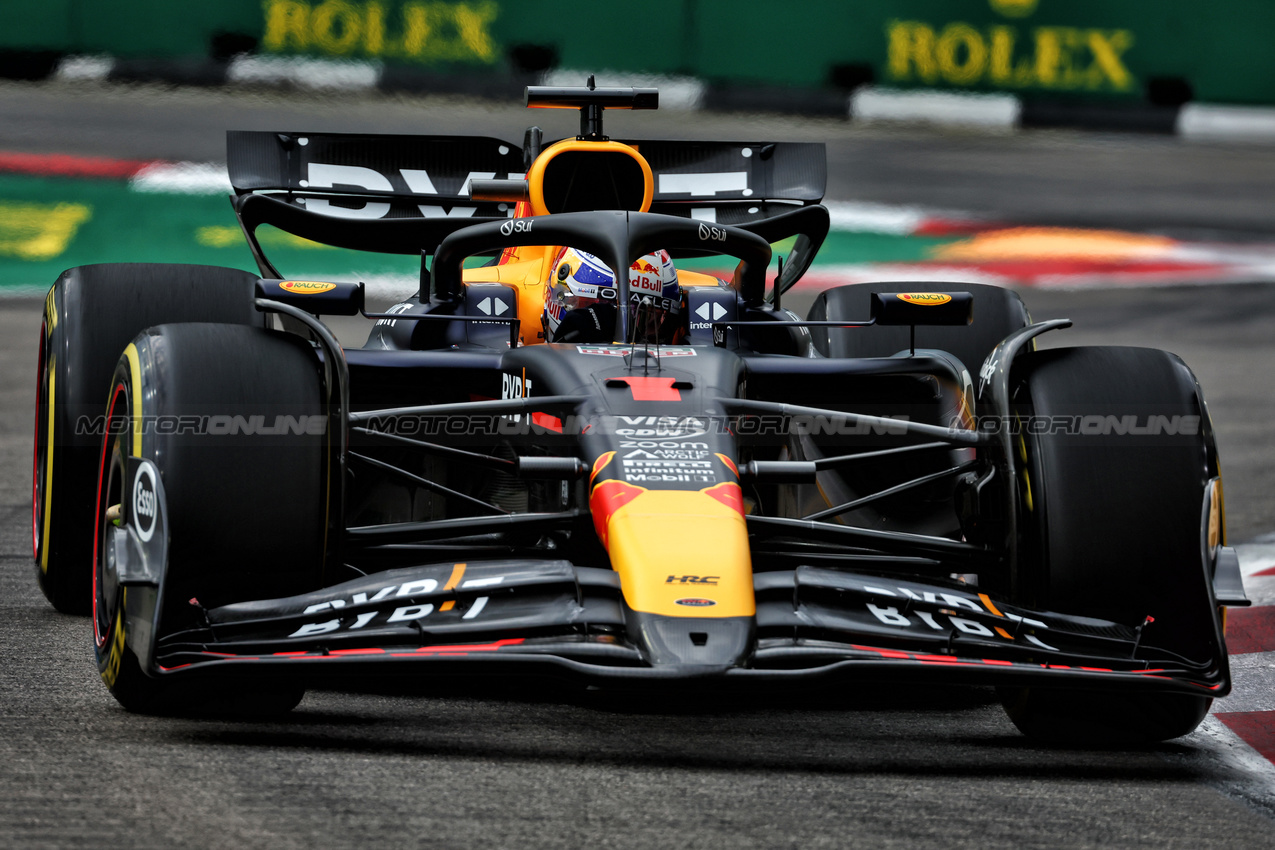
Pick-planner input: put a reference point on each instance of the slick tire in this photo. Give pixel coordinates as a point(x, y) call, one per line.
point(244, 499)
point(998, 312)
point(90, 314)
point(1110, 528)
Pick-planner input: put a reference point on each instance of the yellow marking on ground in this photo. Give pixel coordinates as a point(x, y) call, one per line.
point(1034, 243)
point(222, 236)
point(39, 231)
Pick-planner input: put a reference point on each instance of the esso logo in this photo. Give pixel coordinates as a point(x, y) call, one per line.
point(715, 234)
point(145, 502)
point(516, 226)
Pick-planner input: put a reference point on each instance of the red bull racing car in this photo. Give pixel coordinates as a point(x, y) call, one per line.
point(570, 455)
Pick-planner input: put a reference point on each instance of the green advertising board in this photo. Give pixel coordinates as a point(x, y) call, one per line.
point(1075, 48)
point(1048, 48)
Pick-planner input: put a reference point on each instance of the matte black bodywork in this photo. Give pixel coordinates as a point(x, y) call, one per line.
point(882, 524)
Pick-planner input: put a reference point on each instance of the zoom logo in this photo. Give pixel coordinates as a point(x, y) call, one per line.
point(516, 226)
point(715, 234)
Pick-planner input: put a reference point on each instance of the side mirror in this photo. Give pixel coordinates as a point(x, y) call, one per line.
point(922, 308)
point(321, 298)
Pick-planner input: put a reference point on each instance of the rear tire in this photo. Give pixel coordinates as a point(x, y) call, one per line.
point(245, 513)
point(90, 314)
point(1111, 529)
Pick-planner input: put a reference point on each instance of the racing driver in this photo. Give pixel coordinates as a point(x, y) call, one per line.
point(580, 300)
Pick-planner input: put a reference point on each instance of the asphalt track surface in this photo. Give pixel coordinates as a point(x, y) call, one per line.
point(521, 766)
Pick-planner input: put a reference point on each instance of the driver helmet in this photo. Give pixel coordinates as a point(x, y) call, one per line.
point(581, 298)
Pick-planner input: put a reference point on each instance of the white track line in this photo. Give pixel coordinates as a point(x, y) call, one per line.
point(182, 178)
point(81, 68)
point(1233, 767)
point(870, 103)
point(305, 73)
point(866, 217)
point(1238, 123)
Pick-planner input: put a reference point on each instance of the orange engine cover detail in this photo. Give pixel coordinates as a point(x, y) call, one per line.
point(569, 147)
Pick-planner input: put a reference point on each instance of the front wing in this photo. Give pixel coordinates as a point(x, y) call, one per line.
point(535, 617)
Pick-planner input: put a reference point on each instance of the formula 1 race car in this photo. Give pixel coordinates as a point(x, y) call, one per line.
point(554, 461)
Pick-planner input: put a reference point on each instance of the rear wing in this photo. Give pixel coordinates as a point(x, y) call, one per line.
point(404, 194)
point(733, 182)
point(371, 177)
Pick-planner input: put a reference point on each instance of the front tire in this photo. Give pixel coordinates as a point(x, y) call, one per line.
point(244, 502)
point(1111, 528)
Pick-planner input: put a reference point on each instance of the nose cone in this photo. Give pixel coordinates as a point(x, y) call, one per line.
point(679, 553)
point(712, 645)
point(685, 571)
